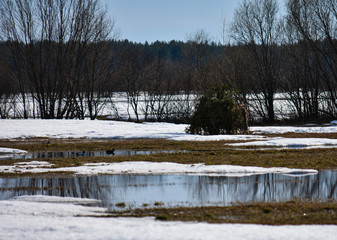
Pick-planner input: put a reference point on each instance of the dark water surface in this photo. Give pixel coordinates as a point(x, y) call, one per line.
point(137, 191)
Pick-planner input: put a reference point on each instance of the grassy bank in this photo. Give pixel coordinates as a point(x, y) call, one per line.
point(290, 213)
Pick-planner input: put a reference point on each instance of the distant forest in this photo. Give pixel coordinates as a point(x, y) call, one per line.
point(68, 61)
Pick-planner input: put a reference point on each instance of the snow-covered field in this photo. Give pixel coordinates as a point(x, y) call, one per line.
point(103, 129)
point(126, 130)
point(41, 217)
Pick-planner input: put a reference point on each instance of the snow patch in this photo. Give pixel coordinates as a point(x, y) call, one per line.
point(56, 218)
point(292, 129)
point(55, 199)
point(153, 168)
point(25, 128)
point(11, 150)
point(49, 206)
point(191, 137)
point(27, 167)
point(291, 143)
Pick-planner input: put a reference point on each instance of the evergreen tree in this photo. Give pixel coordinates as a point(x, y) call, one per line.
point(217, 112)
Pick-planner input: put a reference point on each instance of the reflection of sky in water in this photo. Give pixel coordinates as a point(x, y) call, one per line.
point(177, 190)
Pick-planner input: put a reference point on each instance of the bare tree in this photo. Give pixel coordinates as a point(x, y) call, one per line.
point(301, 75)
point(6, 90)
point(315, 23)
point(132, 72)
point(159, 88)
point(198, 55)
point(256, 26)
point(51, 43)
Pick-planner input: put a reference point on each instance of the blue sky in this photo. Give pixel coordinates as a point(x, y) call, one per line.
point(166, 20)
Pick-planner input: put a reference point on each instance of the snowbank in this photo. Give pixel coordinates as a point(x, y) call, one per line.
point(11, 151)
point(42, 217)
point(149, 168)
point(14, 128)
point(20, 128)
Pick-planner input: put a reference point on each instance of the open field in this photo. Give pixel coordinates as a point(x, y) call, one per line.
point(289, 147)
point(210, 153)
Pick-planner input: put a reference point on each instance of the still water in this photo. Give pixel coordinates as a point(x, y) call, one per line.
point(137, 191)
point(65, 154)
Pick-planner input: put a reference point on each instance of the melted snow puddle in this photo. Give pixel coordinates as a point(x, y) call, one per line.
point(117, 192)
point(62, 154)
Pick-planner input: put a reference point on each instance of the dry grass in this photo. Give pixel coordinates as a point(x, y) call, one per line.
point(293, 213)
point(211, 152)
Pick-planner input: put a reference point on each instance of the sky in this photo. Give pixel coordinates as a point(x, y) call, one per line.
point(163, 20)
point(166, 20)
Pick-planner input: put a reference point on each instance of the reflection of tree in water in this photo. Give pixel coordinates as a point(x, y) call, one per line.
point(83, 187)
point(195, 190)
point(109, 189)
point(267, 188)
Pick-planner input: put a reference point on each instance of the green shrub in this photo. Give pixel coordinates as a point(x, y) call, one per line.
point(217, 112)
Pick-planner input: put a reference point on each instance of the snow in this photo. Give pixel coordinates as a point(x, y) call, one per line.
point(43, 217)
point(291, 143)
point(26, 167)
point(44, 206)
point(11, 150)
point(27, 128)
point(149, 168)
point(328, 128)
point(20, 128)
point(192, 137)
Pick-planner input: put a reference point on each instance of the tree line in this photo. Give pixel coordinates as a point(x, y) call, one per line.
point(65, 57)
